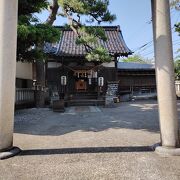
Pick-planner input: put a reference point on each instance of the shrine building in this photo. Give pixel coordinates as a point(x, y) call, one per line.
point(72, 77)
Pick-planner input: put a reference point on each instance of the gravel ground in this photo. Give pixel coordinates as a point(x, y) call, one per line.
point(89, 143)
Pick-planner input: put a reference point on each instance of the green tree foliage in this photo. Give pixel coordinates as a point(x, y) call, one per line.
point(31, 33)
point(136, 58)
point(177, 28)
point(91, 11)
point(175, 4)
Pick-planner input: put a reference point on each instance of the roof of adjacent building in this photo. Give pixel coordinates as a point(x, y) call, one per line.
point(67, 46)
point(135, 66)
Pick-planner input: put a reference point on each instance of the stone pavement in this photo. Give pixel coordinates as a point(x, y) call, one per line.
point(89, 143)
point(82, 109)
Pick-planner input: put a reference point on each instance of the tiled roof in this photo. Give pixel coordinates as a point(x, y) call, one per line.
point(115, 43)
point(135, 66)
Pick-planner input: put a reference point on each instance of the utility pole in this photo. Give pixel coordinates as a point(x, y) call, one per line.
point(8, 38)
point(169, 126)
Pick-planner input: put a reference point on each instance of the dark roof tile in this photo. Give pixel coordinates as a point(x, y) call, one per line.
point(115, 43)
point(135, 66)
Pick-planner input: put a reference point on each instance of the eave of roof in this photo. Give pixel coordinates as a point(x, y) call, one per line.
point(135, 66)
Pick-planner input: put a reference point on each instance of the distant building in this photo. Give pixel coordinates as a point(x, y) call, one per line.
point(24, 75)
point(25, 95)
point(136, 78)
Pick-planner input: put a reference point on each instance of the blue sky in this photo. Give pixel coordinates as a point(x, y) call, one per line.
point(135, 22)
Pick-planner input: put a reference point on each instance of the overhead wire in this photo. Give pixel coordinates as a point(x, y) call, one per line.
point(146, 46)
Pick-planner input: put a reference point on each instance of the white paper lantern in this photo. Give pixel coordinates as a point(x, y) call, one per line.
point(63, 80)
point(101, 81)
point(90, 81)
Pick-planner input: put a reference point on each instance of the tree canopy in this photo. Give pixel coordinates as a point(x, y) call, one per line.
point(91, 11)
point(31, 32)
point(136, 58)
point(175, 4)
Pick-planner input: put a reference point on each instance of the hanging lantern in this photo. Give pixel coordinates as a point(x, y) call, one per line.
point(101, 81)
point(90, 81)
point(63, 80)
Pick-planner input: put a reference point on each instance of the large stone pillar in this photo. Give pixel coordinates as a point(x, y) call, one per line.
point(8, 36)
point(165, 78)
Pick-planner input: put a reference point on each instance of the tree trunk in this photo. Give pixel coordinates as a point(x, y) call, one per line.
point(40, 77)
point(53, 12)
point(40, 65)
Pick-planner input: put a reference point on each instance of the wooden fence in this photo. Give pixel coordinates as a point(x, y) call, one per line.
point(24, 98)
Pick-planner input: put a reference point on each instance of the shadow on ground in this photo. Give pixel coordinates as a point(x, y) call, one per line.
point(132, 115)
point(86, 150)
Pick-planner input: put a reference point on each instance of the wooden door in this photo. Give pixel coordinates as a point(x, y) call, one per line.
point(81, 85)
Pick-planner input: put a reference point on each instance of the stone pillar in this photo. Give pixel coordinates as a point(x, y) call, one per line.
point(8, 36)
point(165, 78)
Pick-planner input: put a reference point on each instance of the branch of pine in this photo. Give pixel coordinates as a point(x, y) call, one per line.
point(53, 12)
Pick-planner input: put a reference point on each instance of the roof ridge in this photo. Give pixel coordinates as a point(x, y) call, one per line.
point(65, 28)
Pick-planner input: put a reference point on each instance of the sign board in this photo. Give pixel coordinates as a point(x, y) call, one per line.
point(112, 88)
point(111, 93)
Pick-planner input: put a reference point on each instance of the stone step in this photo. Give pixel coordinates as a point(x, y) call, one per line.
point(78, 96)
point(85, 102)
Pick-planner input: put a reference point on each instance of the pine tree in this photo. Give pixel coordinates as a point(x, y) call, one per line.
point(92, 10)
point(31, 32)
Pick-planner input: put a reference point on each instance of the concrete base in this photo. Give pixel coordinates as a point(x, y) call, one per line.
point(9, 153)
point(166, 151)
